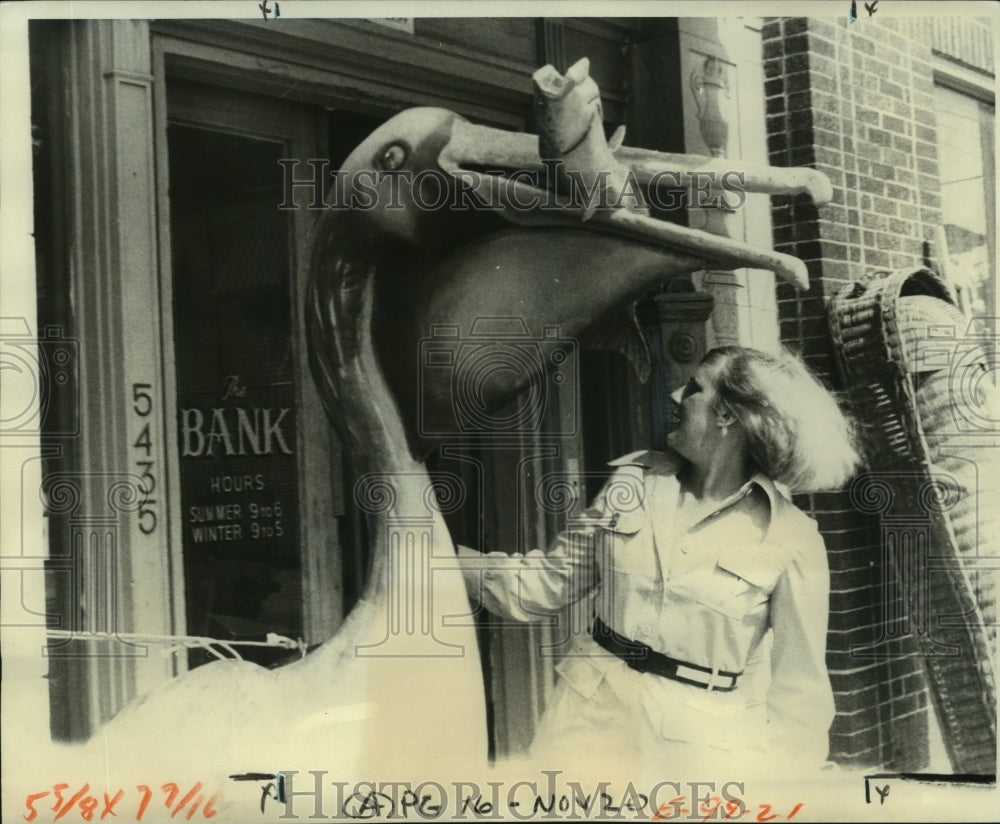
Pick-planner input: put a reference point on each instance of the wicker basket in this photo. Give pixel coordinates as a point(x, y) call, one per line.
point(906, 405)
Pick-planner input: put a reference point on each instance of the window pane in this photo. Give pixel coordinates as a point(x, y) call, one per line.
point(235, 390)
point(968, 196)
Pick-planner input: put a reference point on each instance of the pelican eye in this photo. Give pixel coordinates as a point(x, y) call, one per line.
point(393, 157)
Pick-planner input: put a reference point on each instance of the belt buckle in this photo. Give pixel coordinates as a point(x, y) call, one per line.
point(638, 656)
point(717, 681)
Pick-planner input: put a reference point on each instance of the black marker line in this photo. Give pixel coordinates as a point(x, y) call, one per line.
point(938, 778)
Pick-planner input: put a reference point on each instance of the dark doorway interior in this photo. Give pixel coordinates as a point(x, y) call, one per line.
point(235, 390)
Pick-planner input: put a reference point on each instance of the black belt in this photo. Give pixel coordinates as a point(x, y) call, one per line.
point(643, 658)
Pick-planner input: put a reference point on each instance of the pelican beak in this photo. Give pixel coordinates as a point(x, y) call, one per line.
point(507, 173)
point(663, 168)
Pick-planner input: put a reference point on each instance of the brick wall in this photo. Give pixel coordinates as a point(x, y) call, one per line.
point(856, 102)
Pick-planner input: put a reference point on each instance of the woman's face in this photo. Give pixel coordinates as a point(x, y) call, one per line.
point(696, 432)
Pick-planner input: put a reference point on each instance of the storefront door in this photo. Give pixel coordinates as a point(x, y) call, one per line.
point(253, 455)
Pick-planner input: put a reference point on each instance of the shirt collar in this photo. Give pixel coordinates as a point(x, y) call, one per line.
point(769, 487)
point(758, 481)
point(670, 462)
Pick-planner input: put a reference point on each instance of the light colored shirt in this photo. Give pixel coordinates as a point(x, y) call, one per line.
point(705, 590)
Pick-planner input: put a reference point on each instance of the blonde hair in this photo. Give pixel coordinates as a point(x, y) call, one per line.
point(796, 433)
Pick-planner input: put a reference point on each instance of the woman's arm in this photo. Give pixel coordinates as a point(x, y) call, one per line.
point(532, 586)
point(538, 584)
point(800, 704)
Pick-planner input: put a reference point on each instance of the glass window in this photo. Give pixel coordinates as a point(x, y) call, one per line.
point(968, 199)
point(235, 390)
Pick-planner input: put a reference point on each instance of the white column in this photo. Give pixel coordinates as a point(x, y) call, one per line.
point(722, 80)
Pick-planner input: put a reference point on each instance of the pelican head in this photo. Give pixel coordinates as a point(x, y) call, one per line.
point(394, 188)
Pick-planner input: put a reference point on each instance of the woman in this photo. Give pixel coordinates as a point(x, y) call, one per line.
point(689, 557)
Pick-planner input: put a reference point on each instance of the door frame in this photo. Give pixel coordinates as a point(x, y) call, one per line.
point(298, 127)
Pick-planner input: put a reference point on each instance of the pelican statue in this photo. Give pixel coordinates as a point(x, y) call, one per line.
point(579, 267)
point(397, 691)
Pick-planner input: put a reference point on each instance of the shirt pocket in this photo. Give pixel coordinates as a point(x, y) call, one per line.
point(627, 543)
point(581, 675)
point(757, 565)
point(742, 581)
